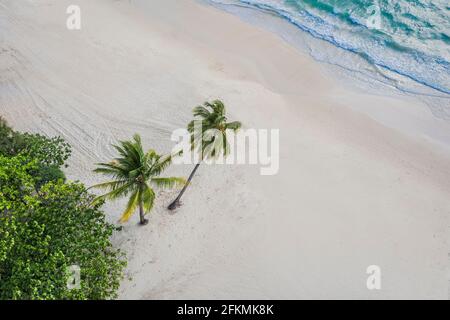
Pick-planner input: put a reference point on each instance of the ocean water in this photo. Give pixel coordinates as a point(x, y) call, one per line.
point(402, 43)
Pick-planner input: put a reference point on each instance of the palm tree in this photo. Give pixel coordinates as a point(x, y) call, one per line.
point(134, 173)
point(208, 136)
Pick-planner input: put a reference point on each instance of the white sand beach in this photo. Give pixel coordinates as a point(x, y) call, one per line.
point(364, 179)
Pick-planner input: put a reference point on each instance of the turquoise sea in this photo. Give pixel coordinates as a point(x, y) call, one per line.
point(406, 42)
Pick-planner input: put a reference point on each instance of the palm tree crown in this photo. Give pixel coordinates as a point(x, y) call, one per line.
point(209, 129)
point(134, 173)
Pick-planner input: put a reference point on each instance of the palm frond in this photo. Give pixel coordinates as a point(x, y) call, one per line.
point(198, 126)
point(161, 164)
point(226, 146)
point(116, 193)
point(110, 185)
point(147, 197)
point(113, 170)
point(201, 112)
point(218, 107)
point(169, 182)
point(133, 202)
point(235, 126)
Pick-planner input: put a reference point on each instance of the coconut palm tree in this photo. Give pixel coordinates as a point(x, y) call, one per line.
point(208, 136)
point(134, 173)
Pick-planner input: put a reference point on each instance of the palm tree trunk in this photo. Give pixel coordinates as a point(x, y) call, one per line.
point(142, 214)
point(176, 203)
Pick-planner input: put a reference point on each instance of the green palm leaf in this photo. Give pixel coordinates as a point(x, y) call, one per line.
point(168, 183)
point(235, 126)
point(133, 202)
point(147, 198)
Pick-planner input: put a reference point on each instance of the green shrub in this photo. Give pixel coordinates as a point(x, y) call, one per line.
point(10, 141)
point(43, 233)
point(45, 174)
point(48, 225)
point(48, 154)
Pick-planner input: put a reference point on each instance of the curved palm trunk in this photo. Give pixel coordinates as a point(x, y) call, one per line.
point(176, 203)
point(142, 214)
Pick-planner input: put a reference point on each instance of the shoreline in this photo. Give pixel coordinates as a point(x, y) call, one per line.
point(287, 14)
point(433, 119)
point(351, 192)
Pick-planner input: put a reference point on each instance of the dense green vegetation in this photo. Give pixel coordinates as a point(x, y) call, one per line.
point(48, 225)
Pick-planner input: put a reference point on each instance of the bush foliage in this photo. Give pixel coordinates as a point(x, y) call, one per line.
point(48, 225)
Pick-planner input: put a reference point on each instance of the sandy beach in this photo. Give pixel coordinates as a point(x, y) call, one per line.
point(364, 179)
